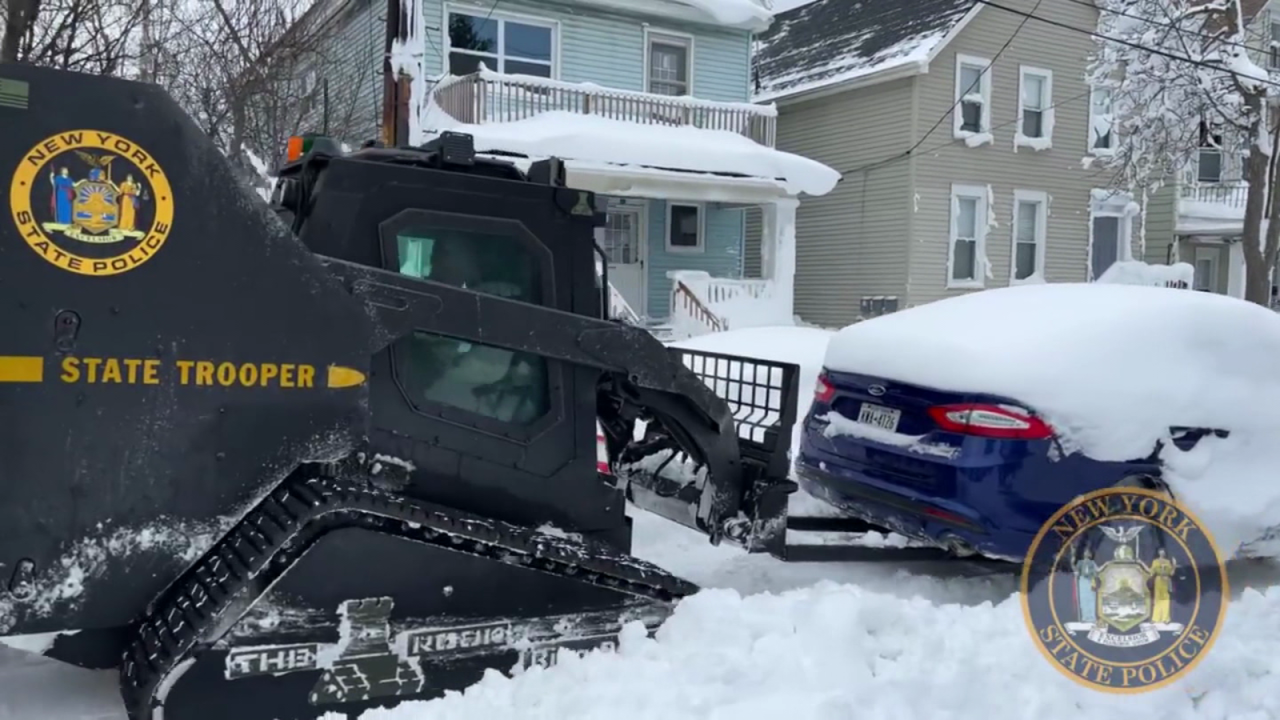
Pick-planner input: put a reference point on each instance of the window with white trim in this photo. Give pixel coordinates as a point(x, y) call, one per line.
point(966, 255)
point(1035, 107)
point(504, 44)
point(684, 227)
point(972, 115)
point(668, 63)
point(1030, 217)
point(1209, 159)
point(1273, 47)
point(1101, 122)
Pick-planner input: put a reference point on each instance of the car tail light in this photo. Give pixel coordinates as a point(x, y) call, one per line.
point(991, 421)
point(822, 390)
point(602, 455)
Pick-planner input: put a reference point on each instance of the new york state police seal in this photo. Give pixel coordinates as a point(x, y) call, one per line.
point(1124, 590)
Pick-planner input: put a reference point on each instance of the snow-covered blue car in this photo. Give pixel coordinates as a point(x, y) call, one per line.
point(968, 422)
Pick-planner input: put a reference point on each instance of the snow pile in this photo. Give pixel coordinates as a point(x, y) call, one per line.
point(832, 652)
point(1136, 272)
point(595, 139)
point(741, 303)
point(1112, 368)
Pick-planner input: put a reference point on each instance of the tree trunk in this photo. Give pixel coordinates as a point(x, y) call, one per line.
point(18, 21)
point(1257, 281)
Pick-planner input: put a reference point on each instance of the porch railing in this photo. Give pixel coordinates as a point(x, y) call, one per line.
point(488, 97)
point(1233, 195)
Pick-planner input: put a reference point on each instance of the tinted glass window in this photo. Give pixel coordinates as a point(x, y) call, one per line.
point(504, 385)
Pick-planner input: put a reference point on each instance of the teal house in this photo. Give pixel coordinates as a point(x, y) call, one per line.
point(646, 101)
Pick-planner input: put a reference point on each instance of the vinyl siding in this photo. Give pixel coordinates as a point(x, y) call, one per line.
point(721, 255)
point(753, 226)
point(1162, 215)
point(608, 48)
point(850, 242)
point(348, 59)
point(1056, 171)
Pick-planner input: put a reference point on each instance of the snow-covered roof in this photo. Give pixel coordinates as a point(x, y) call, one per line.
point(1112, 367)
point(826, 42)
point(595, 139)
point(753, 15)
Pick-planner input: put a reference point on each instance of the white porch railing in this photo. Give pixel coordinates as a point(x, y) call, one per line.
point(702, 304)
point(1135, 272)
point(489, 97)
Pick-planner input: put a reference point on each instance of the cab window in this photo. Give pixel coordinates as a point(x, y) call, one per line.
point(508, 386)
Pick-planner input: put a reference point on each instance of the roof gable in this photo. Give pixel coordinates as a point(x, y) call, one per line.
point(827, 42)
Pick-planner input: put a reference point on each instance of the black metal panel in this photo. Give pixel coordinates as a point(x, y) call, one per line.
point(87, 466)
point(544, 472)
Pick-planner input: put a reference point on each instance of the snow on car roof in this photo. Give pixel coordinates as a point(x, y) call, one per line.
point(1112, 367)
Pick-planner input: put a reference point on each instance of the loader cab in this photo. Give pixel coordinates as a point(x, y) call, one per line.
point(492, 430)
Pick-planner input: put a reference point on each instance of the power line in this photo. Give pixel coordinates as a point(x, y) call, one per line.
point(1149, 21)
point(1136, 46)
point(959, 99)
point(939, 146)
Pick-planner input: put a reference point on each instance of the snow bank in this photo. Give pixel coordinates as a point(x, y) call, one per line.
point(832, 652)
point(591, 138)
point(1112, 367)
point(1136, 272)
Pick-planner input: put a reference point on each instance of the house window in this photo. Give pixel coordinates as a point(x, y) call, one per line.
point(509, 386)
point(1209, 159)
point(1101, 122)
point(1030, 216)
point(668, 64)
point(966, 261)
point(973, 95)
point(1273, 48)
point(1035, 105)
point(517, 47)
point(684, 227)
point(1206, 276)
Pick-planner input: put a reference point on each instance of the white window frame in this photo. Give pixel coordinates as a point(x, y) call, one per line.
point(984, 89)
point(1220, 151)
point(698, 249)
point(1041, 199)
point(662, 36)
point(979, 193)
point(1211, 278)
point(501, 18)
point(1273, 45)
point(1093, 122)
point(1020, 139)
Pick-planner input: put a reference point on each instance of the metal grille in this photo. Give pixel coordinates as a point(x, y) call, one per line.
point(760, 393)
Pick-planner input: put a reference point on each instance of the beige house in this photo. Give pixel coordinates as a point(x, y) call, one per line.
point(961, 157)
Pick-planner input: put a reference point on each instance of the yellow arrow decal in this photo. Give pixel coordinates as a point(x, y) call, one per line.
point(21, 369)
point(344, 377)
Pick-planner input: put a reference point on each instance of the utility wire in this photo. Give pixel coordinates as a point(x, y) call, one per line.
point(1136, 46)
point(1149, 21)
point(959, 99)
point(939, 146)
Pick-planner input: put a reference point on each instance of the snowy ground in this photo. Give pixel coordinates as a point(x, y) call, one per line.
point(804, 641)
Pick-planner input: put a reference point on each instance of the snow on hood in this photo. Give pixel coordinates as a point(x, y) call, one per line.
point(1112, 367)
point(574, 136)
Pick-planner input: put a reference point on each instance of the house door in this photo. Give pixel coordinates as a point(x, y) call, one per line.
point(624, 247)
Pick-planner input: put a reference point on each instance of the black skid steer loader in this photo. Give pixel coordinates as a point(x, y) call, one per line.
point(278, 462)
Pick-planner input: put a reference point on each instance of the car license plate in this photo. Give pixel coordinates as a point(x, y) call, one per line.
point(879, 416)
